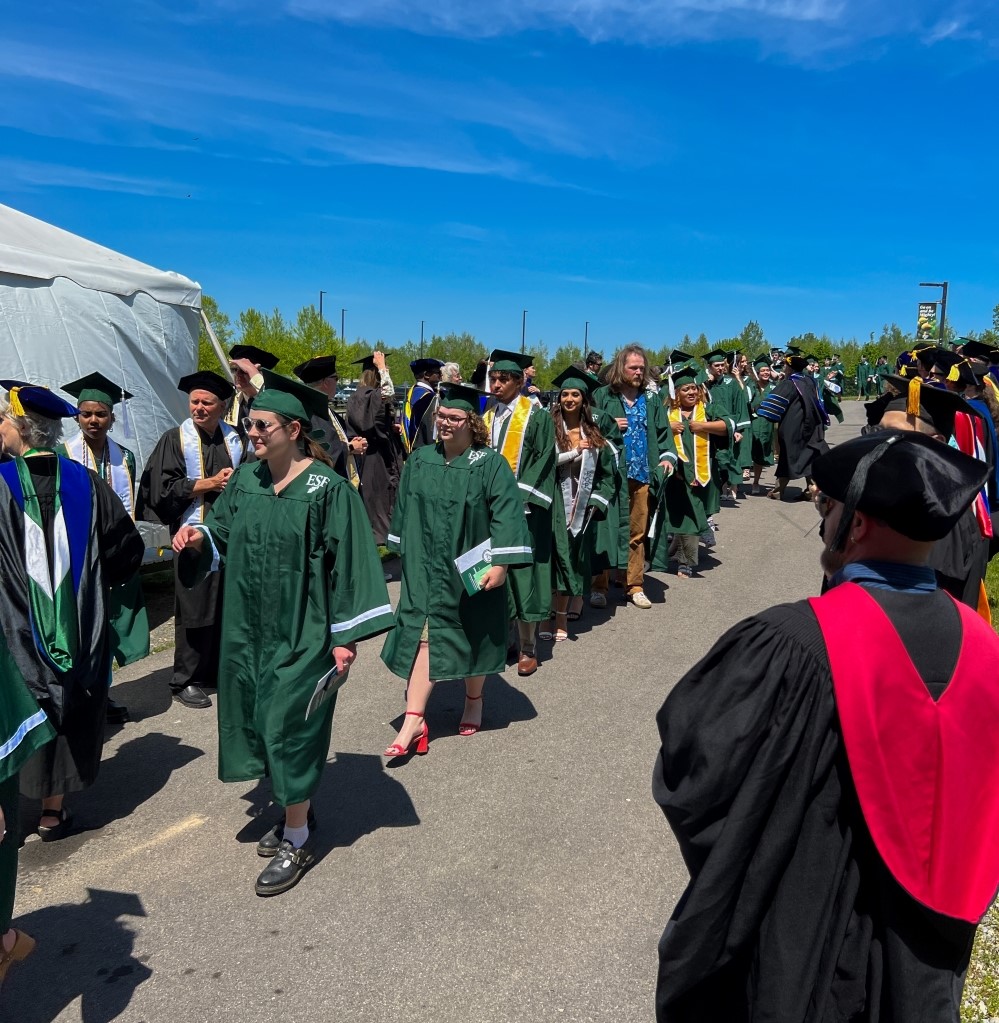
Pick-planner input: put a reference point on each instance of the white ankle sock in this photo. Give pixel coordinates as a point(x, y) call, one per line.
point(297, 836)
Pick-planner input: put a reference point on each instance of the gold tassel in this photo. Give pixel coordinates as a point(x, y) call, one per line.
point(16, 408)
point(912, 400)
point(954, 375)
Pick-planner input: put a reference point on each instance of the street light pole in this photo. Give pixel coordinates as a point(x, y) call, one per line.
point(321, 293)
point(943, 285)
point(343, 337)
point(523, 332)
point(421, 338)
point(586, 337)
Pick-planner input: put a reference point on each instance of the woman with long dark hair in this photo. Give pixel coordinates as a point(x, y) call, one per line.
point(306, 585)
point(458, 499)
point(585, 484)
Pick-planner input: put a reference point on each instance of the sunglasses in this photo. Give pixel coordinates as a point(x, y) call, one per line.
point(822, 502)
point(259, 425)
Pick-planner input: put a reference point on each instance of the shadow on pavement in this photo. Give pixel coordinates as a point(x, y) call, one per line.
point(145, 697)
point(136, 771)
point(356, 797)
point(84, 951)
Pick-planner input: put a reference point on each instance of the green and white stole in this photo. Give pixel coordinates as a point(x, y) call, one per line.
point(115, 469)
point(194, 462)
point(51, 594)
point(576, 505)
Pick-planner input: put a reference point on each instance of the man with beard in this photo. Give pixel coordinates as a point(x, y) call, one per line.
point(838, 816)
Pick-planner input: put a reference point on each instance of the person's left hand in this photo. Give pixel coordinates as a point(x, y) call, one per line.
point(737, 436)
point(667, 468)
point(344, 656)
point(245, 366)
point(494, 578)
point(358, 445)
point(378, 358)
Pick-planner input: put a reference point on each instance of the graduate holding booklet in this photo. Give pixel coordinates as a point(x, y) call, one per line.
point(451, 622)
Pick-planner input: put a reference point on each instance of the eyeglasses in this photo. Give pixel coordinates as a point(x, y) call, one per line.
point(259, 425)
point(451, 420)
point(822, 502)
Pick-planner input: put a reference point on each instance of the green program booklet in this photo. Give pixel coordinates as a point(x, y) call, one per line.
point(473, 565)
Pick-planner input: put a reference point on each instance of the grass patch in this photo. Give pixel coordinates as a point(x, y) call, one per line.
point(981, 991)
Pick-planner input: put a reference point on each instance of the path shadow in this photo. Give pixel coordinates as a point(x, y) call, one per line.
point(355, 798)
point(504, 704)
point(84, 951)
point(145, 697)
point(136, 771)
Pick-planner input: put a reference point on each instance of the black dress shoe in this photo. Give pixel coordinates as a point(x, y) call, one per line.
point(192, 696)
point(117, 713)
point(268, 845)
point(286, 868)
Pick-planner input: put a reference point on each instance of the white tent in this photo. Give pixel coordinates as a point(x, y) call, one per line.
point(69, 307)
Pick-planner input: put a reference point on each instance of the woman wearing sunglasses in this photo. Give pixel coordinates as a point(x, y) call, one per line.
point(455, 496)
point(308, 586)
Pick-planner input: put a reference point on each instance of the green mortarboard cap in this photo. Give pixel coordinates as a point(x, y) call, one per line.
point(96, 387)
point(319, 368)
point(256, 355)
point(510, 362)
point(206, 380)
point(716, 356)
point(762, 360)
point(677, 357)
point(463, 397)
point(290, 398)
point(688, 373)
point(572, 378)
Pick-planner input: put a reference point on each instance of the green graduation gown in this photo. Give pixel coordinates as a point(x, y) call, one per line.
point(761, 430)
point(304, 577)
point(728, 401)
point(24, 728)
point(574, 558)
point(443, 510)
point(530, 585)
point(610, 533)
point(127, 617)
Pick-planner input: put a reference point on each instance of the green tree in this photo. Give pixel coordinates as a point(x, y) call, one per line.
point(565, 356)
point(751, 340)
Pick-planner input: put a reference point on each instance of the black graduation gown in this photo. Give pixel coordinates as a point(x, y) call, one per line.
point(165, 493)
point(373, 418)
point(801, 433)
point(790, 914)
point(74, 701)
point(960, 560)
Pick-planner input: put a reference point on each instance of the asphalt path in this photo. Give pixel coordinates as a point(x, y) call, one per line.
point(521, 874)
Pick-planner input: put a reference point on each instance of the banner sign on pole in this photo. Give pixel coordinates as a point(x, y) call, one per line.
point(926, 325)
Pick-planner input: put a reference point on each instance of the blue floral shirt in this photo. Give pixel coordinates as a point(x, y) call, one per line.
point(636, 439)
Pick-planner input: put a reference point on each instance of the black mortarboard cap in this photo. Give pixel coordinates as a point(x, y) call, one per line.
point(96, 387)
point(366, 363)
point(935, 406)
point(256, 355)
point(39, 400)
point(980, 350)
point(510, 362)
point(206, 380)
point(916, 485)
point(954, 367)
point(319, 368)
point(421, 366)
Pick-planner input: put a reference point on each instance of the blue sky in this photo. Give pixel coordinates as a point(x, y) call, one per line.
point(654, 168)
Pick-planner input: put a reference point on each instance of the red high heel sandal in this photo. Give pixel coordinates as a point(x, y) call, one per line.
point(467, 727)
point(419, 744)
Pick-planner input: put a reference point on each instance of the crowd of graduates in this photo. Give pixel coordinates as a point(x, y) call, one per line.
point(508, 515)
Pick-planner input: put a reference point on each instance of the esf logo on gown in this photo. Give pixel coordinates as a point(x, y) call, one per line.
point(316, 482)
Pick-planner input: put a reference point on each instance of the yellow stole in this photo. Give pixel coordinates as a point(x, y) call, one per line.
point(516, 428)
point(702, 444)
point(352, 474)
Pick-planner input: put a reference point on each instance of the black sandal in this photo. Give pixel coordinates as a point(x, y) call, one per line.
point(59, 830)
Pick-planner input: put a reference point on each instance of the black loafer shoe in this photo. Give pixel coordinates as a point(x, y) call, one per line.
point(268, 845)
point(117, 713)
point(192, 696)
point(286, 869)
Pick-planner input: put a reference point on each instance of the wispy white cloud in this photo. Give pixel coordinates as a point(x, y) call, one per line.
point(29, 176)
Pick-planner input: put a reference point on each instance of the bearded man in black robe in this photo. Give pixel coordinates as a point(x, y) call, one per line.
point(838, 816)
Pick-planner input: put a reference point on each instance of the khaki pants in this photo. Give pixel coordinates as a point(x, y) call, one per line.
point(638, 526)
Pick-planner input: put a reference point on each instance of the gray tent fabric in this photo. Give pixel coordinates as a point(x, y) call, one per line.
point(69, 307)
